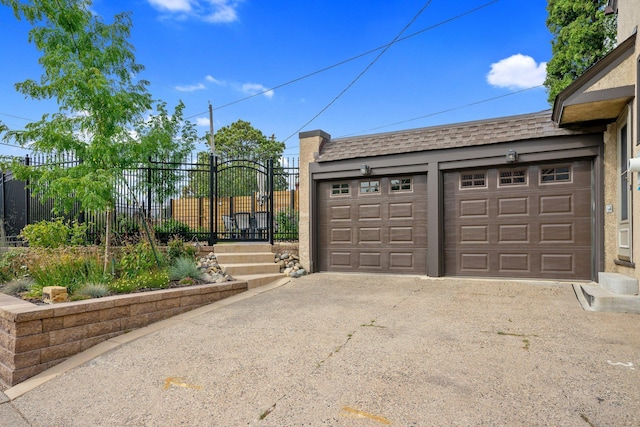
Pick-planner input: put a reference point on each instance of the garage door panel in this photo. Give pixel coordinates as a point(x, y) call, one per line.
point(402, 260)
point(474, 263)
point(371, 211)
point(474, 234)
point(558, 263)
point(370, 235)
point(401, 211)
point(513, 206)
point(515, 263)
point(560, 204)
point(341, 235)
point(474, 208)
point(513, 233)
point(520, 228)
point(370, 260)
point(382, 230)
point(338, 213)
point(340, 259)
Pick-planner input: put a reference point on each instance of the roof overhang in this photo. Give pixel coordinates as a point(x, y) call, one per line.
point(577, 104)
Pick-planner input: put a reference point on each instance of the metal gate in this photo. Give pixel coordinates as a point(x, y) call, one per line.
point(242, 200)
point(14, 203)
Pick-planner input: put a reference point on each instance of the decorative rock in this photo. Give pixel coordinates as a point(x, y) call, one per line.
point(53, 294)
point(211, 270)
point(284, 256)
point(290, 265)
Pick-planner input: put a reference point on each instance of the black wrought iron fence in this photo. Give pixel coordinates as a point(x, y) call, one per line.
point(204, 201)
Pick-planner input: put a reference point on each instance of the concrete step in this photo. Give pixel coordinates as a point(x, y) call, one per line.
point(256, 280)
point(250, 269)
point(596, 298)
point(244, 258)
point(242, 247)
point(617, 283)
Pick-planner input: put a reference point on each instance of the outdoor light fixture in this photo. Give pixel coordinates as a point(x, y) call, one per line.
point(365, 169)
point(512, 156)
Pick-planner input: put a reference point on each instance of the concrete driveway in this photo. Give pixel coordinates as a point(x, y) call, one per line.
point(355, 350)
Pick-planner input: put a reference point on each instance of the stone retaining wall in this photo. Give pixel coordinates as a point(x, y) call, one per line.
point(34, 338)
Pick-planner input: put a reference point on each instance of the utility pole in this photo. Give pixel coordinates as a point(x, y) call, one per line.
point(211, 142)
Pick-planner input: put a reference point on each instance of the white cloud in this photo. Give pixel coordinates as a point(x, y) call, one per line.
point(211, 79)
point(517, 72)
point(171, 5)
point(212, 11)
point(191, 88)
point(255, 88)
point(202, 121)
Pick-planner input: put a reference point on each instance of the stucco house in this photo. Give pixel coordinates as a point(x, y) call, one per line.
point(544, 195)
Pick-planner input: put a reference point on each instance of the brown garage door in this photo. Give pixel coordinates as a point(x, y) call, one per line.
point(373, 225)
point(524, 221)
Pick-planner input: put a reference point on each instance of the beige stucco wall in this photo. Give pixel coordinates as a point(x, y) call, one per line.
point(622, 75)
point(309, 147)
point(625, 74)
point(628, 18)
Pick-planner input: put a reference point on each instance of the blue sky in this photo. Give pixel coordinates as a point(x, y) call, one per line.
point(462, 65)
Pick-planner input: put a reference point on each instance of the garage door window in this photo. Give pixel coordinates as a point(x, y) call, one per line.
point(473, 180)
point(367, 187)
point(341, 189)
point(401, 184)
point(513, 177)
point(556, 174)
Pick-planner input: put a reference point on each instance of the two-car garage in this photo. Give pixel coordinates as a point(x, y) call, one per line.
point(531, 221)
point(514, 197)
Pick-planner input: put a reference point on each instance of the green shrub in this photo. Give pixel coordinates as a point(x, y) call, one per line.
point(184, 267)
point(286, 222)
point(176, 248)
point(136, 258)
point(54, 234)
point(46, 234)
point(171, 227)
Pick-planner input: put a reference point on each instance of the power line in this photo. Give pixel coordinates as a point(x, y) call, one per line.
point(362, 73)
point(353, 58)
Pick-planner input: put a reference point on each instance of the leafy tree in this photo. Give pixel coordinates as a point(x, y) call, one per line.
point(89, 68)
point(582, 35)
point(239, 140)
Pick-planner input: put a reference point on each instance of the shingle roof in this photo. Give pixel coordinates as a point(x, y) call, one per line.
point(482, 132)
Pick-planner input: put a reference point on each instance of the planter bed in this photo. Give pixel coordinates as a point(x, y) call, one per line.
point(34, 338)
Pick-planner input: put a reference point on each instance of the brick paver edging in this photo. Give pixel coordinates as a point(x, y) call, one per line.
point(34, 338)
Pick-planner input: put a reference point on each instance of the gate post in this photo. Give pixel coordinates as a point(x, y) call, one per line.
point(213, 206)
point(270, 186)
point(27, 207)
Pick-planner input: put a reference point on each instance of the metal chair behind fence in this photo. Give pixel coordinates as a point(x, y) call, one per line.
point(230, 226)
point(261, 221)
point(243, 223)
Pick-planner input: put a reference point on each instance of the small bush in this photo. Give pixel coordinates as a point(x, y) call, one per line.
point(17, 286)
point(176, 248)
point(184, 267)
point(136, 258)
point(46, 234)
point(93, 290)
point(172, 227)
point(287, 225)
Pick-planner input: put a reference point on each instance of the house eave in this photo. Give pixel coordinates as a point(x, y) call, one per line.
point(576, 104)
